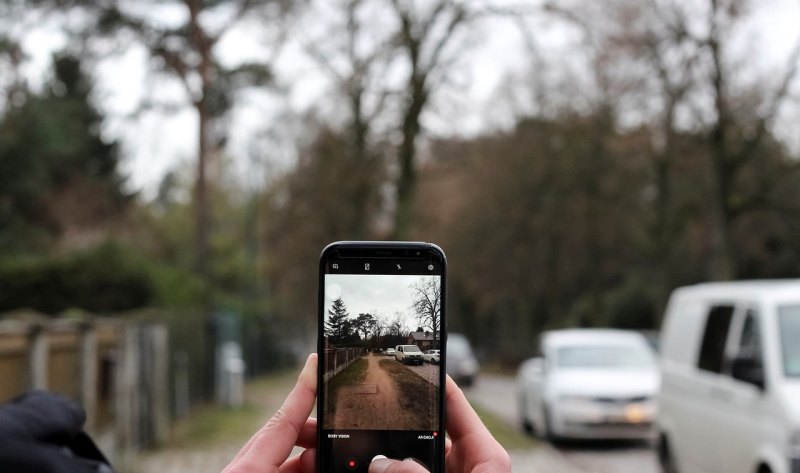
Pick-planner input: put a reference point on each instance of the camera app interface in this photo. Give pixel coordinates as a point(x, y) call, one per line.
point(380, 393)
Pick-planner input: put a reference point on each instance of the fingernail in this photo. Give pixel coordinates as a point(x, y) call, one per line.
point(379, 464)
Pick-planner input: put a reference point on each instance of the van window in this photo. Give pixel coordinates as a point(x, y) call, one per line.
point(750, 341)
point(714, 337)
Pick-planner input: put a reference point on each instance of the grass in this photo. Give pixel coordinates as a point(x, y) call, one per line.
point(209, 424)
point(353, 374)
point(509, 437)
point(213, 425)
point(409, 382)
point(498, 369)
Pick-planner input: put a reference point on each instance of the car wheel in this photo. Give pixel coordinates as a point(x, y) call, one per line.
point(547, 427)
point(666, 458)
point(526, 423)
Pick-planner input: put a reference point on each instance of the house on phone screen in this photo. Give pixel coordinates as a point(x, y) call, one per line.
point(423, 339)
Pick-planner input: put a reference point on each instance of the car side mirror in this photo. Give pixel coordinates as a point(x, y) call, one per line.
point(537, 366)
point(748, 369)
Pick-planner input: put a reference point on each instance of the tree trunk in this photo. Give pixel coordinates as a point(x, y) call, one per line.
point(406, 183)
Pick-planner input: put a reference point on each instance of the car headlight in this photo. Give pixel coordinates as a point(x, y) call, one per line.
point(794, 444)
point(573, 398)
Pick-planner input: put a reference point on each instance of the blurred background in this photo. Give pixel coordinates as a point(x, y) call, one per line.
point(170, 171)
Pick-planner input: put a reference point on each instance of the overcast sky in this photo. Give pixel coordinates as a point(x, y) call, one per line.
point(377, 294)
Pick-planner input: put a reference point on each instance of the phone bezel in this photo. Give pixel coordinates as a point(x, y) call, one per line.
point(393, 250)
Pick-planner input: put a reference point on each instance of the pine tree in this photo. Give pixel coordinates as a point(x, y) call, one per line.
point(338, 327)
point(51, 155)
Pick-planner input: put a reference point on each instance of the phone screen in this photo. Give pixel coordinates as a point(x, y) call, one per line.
point(382, 326)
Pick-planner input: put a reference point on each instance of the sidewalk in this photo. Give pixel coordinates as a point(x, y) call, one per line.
point(208, 439)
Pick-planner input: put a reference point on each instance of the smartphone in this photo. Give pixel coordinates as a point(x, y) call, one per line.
point(382, 351)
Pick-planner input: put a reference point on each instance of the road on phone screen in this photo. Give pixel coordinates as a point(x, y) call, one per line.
point(427, 371)
point(497, 394)
point(374, 404)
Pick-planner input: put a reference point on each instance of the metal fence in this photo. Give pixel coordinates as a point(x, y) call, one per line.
point(115, 368)
point(337, 359)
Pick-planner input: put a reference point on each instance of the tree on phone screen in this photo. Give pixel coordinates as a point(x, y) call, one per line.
point(427, 303)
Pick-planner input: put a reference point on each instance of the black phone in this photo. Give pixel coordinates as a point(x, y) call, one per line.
point(382, 342)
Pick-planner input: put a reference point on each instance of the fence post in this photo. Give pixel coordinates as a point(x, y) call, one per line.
point(159, 344)
point(126, 406)
point(38, 353)
point(88, 370)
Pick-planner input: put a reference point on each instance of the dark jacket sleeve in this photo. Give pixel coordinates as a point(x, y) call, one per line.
point(43, 432)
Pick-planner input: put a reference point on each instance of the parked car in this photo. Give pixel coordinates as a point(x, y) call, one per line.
point(730, 396)
point(408, 354)
point(461, 363)
point(390, 352)
point(589, 384)
point(431, 356)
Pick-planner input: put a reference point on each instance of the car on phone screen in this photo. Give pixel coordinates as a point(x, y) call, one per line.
point(461, 363)
point(590, 384)
point(730, 370)
point(431, 356)
point(390, 352)
point(408, 354)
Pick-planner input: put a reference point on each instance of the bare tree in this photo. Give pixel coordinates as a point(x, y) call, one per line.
point(427, 303)
point(428, 42)
point(354, 54)
point(731, 145)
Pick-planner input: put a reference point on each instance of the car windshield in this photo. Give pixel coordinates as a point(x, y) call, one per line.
point(605, 356)
point(789, 319)
point(412, 348)
point(458, 347)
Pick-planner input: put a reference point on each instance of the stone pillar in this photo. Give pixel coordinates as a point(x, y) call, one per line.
point(88, 371)
point(126, 406)
point(38, 354)
point(159, 337)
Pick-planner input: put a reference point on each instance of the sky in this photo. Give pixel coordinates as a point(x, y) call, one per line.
point(377, 294)
point(156, 142)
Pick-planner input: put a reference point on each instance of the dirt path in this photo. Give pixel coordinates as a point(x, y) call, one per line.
point(373, 404)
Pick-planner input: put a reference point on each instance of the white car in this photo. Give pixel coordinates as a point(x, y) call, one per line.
point(590, 384)
point(431, 356)
point(390, 352)
point(408, 354)
point(730, 396)
point(461, 363)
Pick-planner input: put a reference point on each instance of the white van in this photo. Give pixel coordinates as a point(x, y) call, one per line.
point(730, 379)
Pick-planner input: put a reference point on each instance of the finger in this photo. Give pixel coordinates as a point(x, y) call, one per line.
point(303, 463)
point(273, 443)
point(461, 418)
point(448, 444)
point(381, 464)
point(308, 434)
point(475, 443)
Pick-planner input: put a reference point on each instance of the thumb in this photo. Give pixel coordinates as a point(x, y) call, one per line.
point(381, 464)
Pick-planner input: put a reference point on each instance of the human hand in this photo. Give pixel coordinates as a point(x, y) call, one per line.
point(472, 448)
point(268, 450)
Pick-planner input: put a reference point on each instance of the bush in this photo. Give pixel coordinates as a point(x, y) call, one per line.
point(107, 278)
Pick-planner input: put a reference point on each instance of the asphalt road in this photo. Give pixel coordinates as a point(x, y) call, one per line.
point(498, 395)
